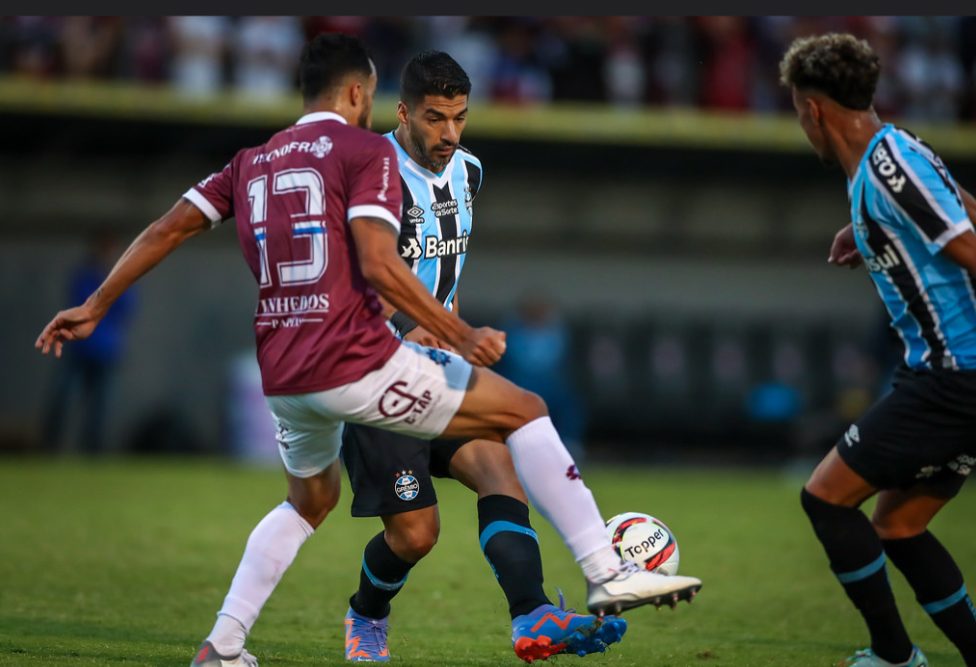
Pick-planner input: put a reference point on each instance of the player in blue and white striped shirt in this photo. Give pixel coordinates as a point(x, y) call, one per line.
point(390, 473)
point(911, 226)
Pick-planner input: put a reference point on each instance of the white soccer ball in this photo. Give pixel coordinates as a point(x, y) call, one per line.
point(642, 539)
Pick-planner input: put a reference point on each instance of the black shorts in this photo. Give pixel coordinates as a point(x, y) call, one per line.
point(392, 473)
point(923, 433)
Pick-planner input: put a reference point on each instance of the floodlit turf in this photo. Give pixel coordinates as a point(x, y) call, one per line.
point(125, 563)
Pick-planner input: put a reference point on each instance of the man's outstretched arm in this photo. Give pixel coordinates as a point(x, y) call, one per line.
point(384, 269)
point(148, 249)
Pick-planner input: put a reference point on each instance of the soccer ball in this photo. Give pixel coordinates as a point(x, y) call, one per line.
point(642, 539)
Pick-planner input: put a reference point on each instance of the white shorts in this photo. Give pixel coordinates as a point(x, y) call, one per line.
point(416, 392)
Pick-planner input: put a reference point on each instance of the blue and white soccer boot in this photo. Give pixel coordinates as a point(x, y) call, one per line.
point(366, 638)
point(633, 586)
point(867, 658)
point(207, 656)
point(549, 630)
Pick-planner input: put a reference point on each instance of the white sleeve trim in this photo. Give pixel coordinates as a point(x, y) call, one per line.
point(202, 203)
point(373, 211)
point(955, 230)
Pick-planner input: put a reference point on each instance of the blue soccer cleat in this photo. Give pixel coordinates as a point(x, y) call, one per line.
point(365, 638)
point(549, 630)
point(867, 658)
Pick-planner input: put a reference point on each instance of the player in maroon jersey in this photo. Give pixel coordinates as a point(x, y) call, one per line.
point(317, 210)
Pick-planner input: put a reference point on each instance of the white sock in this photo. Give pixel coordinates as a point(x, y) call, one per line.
point(270, 549)
point(552, 483)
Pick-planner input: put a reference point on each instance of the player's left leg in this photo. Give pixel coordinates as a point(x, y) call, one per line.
point(901, 518)
point(270, 550)
point(511, 547)
point(309, 447)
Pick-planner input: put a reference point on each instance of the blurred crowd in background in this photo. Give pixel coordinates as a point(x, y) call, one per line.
point(711, 62)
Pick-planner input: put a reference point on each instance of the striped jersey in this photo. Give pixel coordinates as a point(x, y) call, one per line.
point(905, 208)
point(436, 223)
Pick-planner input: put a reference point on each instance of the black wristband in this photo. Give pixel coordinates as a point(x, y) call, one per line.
point(403, 323)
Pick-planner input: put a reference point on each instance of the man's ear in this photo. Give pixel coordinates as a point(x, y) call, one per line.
point(357, 93)
point(816, 111)
point(402, 112)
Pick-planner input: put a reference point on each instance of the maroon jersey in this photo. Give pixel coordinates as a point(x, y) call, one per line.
point(318, 323)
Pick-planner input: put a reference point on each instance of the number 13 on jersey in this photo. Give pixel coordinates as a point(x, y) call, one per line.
point(308, 229)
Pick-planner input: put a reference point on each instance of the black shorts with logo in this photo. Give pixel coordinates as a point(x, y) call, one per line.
point(923, 433)
point(392, 473)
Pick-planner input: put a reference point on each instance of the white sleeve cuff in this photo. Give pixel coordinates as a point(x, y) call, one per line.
point(194, 197)
point(373, 211)
point(960, 227)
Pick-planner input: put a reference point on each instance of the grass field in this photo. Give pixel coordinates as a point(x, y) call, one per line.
point(127, 562)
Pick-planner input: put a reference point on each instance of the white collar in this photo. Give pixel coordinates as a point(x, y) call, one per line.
point(317, 116)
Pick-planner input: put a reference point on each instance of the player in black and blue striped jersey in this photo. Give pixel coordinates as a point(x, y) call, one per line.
point(911, 226)
point(391, 474)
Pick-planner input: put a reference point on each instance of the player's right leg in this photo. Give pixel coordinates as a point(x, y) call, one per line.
point(540, 629)
point(495, 408)
point(831, 499)
point(390, 478)
point(309, 447)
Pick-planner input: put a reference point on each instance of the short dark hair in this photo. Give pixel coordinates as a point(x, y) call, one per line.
point(328, 58)
point(432, 73)
point(840, 66)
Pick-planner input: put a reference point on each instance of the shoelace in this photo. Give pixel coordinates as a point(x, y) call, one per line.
point(372, 637)
point(562, 602)
point(629, 568)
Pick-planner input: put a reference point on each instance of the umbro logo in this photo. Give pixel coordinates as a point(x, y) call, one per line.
point(415, 212)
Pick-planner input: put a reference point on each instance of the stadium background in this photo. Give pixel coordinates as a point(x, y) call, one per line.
point(645, 176)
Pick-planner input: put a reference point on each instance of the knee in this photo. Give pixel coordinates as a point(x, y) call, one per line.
point(315, 508)
point(889, 527)
point(530, 407)
point(414, 542)
point(534, 406)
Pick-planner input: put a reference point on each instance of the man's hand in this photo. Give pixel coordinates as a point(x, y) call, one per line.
point(427, 339)
point(483, 346)
point(72, 324)
point(843, 251)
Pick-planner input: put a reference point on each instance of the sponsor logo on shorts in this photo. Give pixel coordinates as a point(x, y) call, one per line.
point(281, 434)
point(439, 357)
point(853, 435)
point(407, 487)
point(963, 465)
point(397, 402)
point(573, 473)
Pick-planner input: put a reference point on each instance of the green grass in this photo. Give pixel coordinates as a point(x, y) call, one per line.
point(127, 562)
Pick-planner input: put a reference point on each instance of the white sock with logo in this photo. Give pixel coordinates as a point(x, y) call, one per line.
point(554, 487)
point(270, 549)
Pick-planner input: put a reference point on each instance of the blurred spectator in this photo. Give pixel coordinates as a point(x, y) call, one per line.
point(624, 66)
point(729, 58)
point(90, 45)
point(146, 41)
point(88, 366)
point(469, 41)
point(930, 71)
point(199, 47)
point(35, 45)
point(518, 75)
point(264, 50)
point(537, 358)
point(672, 62)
